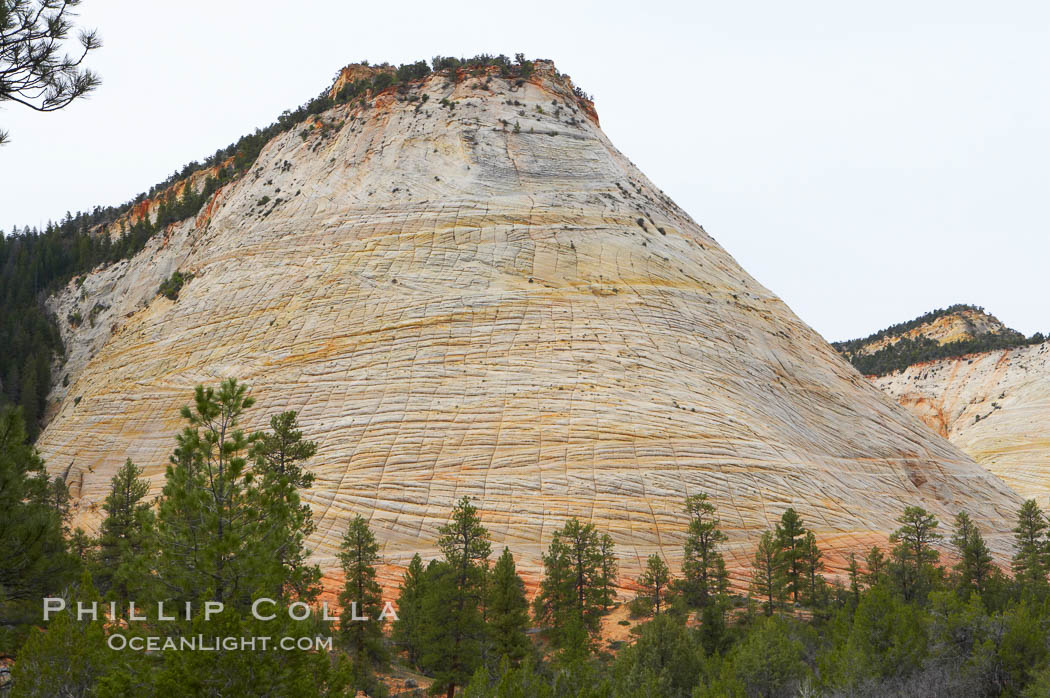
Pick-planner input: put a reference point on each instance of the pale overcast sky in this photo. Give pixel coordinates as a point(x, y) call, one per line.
point(865, 161)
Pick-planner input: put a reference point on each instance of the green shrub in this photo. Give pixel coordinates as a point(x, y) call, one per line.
point(171, 286)
point(640, 607)
point(95, 310)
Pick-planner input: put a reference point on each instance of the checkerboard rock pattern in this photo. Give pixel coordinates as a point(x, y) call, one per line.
point(483, 297)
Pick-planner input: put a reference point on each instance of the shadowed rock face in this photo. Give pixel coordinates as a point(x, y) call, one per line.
point(490, 300)
point(994, 406)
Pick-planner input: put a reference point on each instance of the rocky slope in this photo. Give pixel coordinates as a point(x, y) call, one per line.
point(994, 406)
point(465, 289)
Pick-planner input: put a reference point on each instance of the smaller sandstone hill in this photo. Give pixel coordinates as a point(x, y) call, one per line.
point(954, 331)
point(973, 380)
point(995, 406)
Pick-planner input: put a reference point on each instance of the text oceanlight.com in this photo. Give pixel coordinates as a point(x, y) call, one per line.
point(200, 643)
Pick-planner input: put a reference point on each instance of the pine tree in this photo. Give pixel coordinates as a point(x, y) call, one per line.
point(703, 569)
point(875, 561)
point(665, 661)
point(812, 565)
point(769, 580)
point(975, 566)
point(43, 378)
point(769, 661)
point(29, 398)
point(1030, 560)
point(963, 528)
point(607, 569)
point(361, 597)
point(655, 580)
point(59, 500)
point(407, 632)
point(571, 593)
point(207, 525)
point(791, 535)
point(216, 527)
point(34, 561)
point(854, 578)
point(283, 452)
point(234, 672)
point(913, 554)
point(280, 456)
point(70, 656)
point(455, 630)
point(123, 551)
point(83, 548)
point(508, 611)
point(887, 639)
point(713, 632)
point(36, 70)
point(552, 605)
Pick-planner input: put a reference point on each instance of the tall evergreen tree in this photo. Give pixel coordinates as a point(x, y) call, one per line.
point(280, 456)
point(875, 561)
point(607, 570)
point(455, 632)
point(769, 579)
point(213, 543)
point(571, 594)
point(34, 561)
point(1030, 560)
point(812, 565)
point(791, 536)
point(82, 547)
point(508, 611)
point(975, 566)
point(703, 569)
point(59, 499)
point(283, 452)
point(654, 581)
point(207, 525)
point(29, 397)
point(854, 578)
point(124, 558)
point(408, 630)
point(913, 554)
point(552, 605)
point(361, 597)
